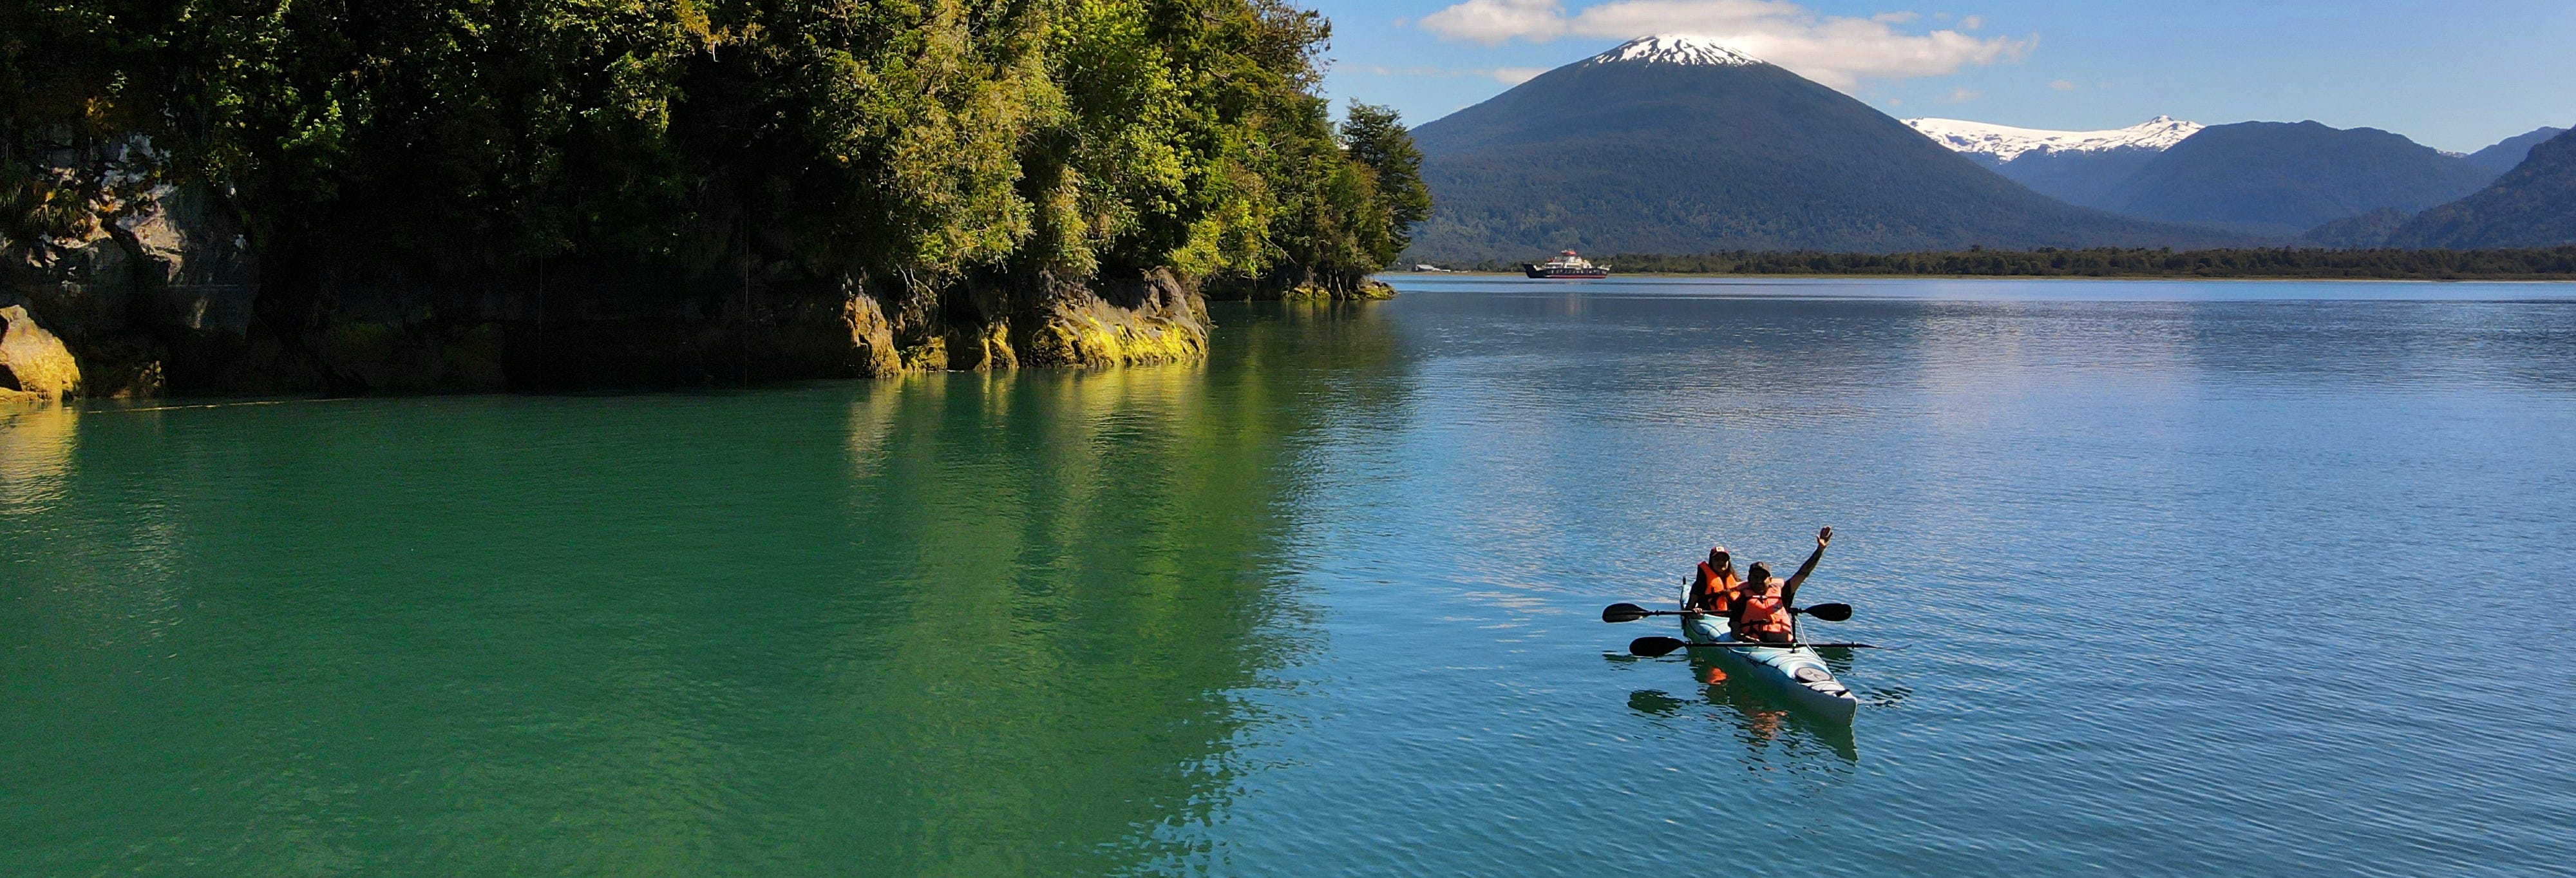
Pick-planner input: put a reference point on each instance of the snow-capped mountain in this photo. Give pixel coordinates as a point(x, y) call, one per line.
point(2003, 143)
point(1674, 144)
point(1676, 49)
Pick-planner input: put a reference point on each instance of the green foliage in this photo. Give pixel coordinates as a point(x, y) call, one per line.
point(2550, 264)
point(1377, 140)
point(914, 139)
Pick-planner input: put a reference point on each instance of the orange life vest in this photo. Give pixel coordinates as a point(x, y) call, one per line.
point(1765, 614)
point(1714, 591)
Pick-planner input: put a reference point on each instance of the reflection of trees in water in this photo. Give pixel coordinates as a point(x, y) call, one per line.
point(1089, 571)
point(948, 624)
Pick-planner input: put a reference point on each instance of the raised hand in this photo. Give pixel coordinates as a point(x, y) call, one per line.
point(1824, 536)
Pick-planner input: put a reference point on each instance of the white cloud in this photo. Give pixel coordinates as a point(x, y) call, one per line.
point(1492, 22)
point(1972, 22)
point(2063, 85)
point(1960, 96)
point(1838, 51)
point(1512, 75)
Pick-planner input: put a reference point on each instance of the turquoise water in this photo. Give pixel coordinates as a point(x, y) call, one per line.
point(2164, 558)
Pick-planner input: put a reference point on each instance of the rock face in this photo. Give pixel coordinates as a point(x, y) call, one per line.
point(170, 299)
point(33, 363)
point(1296, 284)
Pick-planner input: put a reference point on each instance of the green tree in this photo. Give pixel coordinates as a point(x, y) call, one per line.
point(1379, 141)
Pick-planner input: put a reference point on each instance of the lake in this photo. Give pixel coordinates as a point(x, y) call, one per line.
point(2189, 578)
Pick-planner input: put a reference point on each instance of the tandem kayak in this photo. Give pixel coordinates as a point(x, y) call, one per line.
point(1797, 672)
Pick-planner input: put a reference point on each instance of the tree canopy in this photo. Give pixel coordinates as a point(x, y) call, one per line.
point(921, 139)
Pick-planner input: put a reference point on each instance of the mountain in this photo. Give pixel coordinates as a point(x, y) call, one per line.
point(1674, 144)
point(2282, 178)
point(2075, 166)
point(2511, 150)
point(2358, 232)
point(2533, 205)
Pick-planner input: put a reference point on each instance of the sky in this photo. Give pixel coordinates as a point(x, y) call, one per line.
point(2455, 75)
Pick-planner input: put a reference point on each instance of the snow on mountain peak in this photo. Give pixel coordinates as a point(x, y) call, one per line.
point(2006, 143)
point(1676, 49)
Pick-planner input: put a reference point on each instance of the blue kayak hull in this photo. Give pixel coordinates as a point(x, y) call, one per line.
point(1798, 674)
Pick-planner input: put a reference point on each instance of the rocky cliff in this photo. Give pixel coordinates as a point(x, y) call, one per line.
point(169, 300)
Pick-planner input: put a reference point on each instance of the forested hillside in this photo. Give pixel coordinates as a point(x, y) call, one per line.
point(604, 191)
point(2283, 178)
point(2504, 154)
point(2533, 205)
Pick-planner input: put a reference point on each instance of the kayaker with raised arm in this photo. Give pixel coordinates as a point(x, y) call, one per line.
point(1713, 585)
point(1762, 604)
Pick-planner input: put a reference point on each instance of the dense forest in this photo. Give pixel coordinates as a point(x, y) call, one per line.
point(2550, 264)
point(962, 165)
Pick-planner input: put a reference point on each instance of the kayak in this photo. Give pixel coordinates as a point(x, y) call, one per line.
point(1796, 672)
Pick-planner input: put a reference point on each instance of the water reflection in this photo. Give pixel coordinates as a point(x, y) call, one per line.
point(950, 624)
point(1772, 730)
point(1079, 589)
point(35, 450)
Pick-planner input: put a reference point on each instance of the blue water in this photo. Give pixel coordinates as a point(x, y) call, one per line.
point(2189, 578)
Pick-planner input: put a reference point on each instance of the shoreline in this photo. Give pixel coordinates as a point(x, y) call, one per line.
point(2529, 279)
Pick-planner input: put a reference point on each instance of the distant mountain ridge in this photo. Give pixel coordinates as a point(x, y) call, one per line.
point(2283, 178)
point(1677, 144)
point(2533, 205)
point(2004, 143)
point(2511, 151)
point(2077, 167)
point(2328, 186)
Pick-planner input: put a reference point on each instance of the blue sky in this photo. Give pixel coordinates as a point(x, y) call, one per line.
point(2452, 75)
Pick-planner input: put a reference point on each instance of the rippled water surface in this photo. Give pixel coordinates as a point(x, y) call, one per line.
point(2250, 578)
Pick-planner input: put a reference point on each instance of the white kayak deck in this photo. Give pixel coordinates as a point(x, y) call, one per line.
point(1797, 673)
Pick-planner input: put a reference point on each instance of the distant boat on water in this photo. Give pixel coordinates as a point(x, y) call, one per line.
point(1566, 264)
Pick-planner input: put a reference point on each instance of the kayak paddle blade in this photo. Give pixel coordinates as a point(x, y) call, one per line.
point(1622, 613)
point(1652, 647)
point(1829, 612)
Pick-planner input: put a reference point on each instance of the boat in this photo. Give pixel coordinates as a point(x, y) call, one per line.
point(1565, 265)
point(1797, 672)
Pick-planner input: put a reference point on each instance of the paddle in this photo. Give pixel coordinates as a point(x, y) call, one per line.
point(1632, 612)
point(1651, 647)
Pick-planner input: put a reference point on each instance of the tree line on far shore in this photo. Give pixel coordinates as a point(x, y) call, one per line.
point(2555, 263)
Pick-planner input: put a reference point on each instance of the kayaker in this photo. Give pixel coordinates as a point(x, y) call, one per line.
point(1712, 587)
point(1789, 590)
point(1761, 613)
point(1762, 604)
